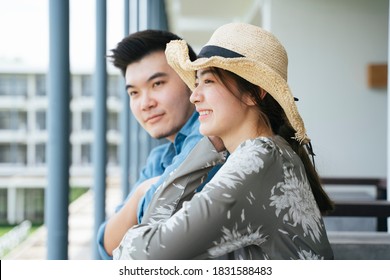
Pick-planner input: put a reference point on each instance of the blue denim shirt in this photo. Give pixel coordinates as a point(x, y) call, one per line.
point(161, 161)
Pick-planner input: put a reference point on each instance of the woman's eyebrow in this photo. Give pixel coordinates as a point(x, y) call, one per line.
point(203, 72)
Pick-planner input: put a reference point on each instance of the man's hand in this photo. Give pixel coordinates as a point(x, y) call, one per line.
point(125, 218)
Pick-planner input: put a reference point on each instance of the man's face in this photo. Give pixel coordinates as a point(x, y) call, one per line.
point(159, 99)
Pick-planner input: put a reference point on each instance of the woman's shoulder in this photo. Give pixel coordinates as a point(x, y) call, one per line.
point(265, 147)
point(266, 144)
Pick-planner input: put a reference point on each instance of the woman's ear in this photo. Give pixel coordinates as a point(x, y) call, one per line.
point(248, 100)
point(262, 93)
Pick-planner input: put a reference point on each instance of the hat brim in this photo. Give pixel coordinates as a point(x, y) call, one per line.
point(253, 71)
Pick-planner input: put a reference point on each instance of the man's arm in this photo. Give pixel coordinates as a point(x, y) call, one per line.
point(153, 168)
point(125, 218)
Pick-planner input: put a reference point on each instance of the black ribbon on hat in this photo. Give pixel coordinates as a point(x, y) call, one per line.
point(211, 50)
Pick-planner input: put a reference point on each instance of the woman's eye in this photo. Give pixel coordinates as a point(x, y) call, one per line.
point(207, 81)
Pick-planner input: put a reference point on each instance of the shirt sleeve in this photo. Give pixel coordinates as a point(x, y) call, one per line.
point(189, 143)
point(151, 169)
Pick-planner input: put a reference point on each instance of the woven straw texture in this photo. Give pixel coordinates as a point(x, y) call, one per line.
point(264, 63)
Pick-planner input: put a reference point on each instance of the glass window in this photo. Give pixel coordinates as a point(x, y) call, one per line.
point(5, 153)
point(40, 85)
point(3, 206)
point(5, 120)
point(15, 85)
point(34, 205)
point(113, 155)
point(40, 153)
point(86, 157)
point(13, 153)
point(86, 85)
point(86, 120)
point(13, 120)
point(3, 85)
point(40, 120)
point(21, 122)
point(114, 86)
point(113, 123)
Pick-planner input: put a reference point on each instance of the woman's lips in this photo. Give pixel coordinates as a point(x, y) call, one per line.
point(203, 114)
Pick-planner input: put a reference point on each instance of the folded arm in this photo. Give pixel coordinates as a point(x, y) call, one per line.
point(194, 231)
point(125, 218)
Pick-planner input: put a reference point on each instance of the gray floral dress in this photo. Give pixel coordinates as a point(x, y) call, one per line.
point(258, 206)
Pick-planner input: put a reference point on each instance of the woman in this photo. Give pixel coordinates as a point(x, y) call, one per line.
point(266, 200)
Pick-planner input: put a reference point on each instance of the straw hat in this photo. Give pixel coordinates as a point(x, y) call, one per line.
point(248, 51)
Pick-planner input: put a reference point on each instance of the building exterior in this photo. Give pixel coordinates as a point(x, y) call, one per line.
point(24, 136)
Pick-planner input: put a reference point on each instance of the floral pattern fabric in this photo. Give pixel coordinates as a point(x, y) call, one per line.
point(258, 206)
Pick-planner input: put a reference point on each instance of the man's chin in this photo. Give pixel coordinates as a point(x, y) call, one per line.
point(158, 135)
point(163, 134)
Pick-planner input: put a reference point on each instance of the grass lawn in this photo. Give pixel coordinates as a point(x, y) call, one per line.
point(75, 192)
point(5, 229)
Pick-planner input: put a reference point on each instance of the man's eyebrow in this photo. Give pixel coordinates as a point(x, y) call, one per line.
point(154, 76)
point(157, 75)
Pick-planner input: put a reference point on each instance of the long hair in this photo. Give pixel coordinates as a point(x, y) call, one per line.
point(140, 44)
point(272, 115)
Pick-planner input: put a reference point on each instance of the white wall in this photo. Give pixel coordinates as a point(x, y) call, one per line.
point(330, 43)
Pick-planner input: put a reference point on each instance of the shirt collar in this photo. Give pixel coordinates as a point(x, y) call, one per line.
point(189, 126)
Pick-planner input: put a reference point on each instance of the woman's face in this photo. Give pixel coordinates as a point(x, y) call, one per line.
point(221, 113)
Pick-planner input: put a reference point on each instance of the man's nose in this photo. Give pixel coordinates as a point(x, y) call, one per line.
point(148, 101)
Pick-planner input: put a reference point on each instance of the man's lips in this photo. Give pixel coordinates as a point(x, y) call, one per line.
point(154, 118)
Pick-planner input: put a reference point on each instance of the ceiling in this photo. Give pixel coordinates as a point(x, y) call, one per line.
point(195, 21)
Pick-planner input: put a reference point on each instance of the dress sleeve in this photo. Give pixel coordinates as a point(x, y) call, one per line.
point(183, 182)
point(204, 224)
point(187, 146)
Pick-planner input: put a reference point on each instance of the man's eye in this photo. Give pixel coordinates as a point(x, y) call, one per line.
point(158, 83)
point(132, 93)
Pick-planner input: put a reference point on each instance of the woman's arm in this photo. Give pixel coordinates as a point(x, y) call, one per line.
point(184, 181)
point(204, 226)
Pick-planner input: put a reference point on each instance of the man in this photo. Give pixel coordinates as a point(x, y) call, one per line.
point(159, 100)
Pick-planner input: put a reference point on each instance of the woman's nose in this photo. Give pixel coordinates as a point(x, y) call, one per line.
point(195, 96)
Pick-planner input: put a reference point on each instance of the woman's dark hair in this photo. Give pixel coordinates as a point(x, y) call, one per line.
point(139, 44)
point(274, 116)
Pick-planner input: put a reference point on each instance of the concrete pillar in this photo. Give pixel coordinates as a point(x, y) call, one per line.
point(99, 156)
point(58, 149)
